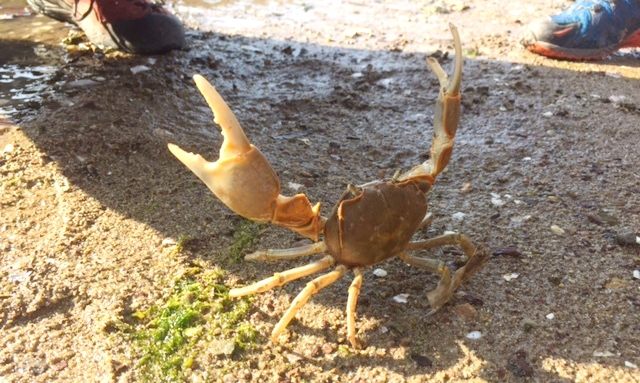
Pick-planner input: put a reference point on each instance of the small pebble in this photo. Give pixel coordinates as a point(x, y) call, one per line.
point(380, 273)
point(168, 242)
point(603, 354)
point(550, 316)
point(547, 114)
point(496, 200)
point(509, 277)
point(328, 348)
point(627, 237)
point(616, 99)
point(630, 365)
point(292, 358)
point(528, 324)
point(139, 69)
point(459, 216)
point(557, 230)
point(466, 188)
point(401, 298)
point(636, 274)
point(294, 186)
point(8, 148)
point(474, 335)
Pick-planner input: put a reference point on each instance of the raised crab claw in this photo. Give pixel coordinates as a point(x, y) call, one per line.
point(370, 223)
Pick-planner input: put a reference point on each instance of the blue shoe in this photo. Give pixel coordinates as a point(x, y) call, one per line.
point(588, 30)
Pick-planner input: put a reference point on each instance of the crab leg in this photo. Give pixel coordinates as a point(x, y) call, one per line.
point(301, 299)
point(426, 221)
point(243, 179)
point(354, 292)
point(287, 254)
point(447, 116)
point(448, 284)
point(279, 279)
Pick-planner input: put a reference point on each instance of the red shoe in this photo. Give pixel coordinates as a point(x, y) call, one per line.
point(135, 26)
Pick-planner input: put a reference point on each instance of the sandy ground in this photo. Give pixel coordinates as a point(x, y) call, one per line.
point(544, 174)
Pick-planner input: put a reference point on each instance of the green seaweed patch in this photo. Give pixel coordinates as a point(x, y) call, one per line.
point(245, 236)
point(198, 315)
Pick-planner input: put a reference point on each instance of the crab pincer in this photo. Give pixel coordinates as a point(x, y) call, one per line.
point(243, 179)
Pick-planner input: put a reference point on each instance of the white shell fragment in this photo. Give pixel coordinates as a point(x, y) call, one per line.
point(474, 335)
point(8, 148)
point(603, 354)
point(380, 273)
point(139, 69)
point(294, 186)
point(630, 365)
point(636, 274)
point(401, 298)
point(168, 242)
point(557, 230)
point(550, 316)
point(496, 200)
point(509, 277)
point(459, 216)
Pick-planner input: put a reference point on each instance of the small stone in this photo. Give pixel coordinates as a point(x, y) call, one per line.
point(627, 237)
point(519, 365)
point(459, 216)
point(401, 298)
point(466, 311)
point(557, 230)
point(328, 348)
point(61, 365)
point(8, 148)
point(229, 378)
point(547, 114)
point(636, 274)
point(466, 188)
point(509, 277)
point(222, 347)
point(603, 354)
point(496, 200)
point(630, 365)
point(474, 335)
point(168, 242)
point(550, 316)
point(294, 186)
point(292, 358)
point(421, 360)
point(608, 217)
point(380, 272)
point(139, 69)
point(528, 324)
point(82, 83)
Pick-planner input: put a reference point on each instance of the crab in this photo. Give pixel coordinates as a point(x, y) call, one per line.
point(371, 223)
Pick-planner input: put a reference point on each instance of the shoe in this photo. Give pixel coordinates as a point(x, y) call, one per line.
point(135, 26)
point(588, 30)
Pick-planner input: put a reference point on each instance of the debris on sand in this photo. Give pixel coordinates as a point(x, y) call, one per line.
point(401, 298)
point(474, 335)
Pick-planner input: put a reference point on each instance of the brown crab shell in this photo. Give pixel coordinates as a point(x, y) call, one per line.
point(376, 223)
